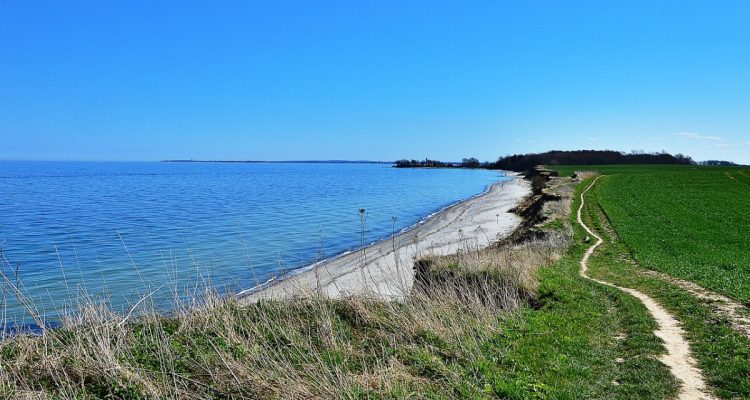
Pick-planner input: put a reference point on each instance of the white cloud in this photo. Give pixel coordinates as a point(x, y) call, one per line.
point(593, 139)
point(698, 136)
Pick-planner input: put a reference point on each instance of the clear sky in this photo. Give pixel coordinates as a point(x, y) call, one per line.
point(379, 80)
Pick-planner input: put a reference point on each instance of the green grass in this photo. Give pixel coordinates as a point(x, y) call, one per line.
point(569, 344)
point(689, 222)
point(723, 354)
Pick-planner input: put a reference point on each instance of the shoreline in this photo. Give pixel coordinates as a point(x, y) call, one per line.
point(477, 221)
point(308, 267)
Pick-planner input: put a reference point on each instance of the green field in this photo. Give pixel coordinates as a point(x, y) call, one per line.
point(723, 353)
point(687, 221)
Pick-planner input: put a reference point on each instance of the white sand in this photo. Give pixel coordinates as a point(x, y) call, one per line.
point(387, 272)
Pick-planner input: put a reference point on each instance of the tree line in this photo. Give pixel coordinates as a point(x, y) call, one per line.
point(525, 162)
point(470, 162)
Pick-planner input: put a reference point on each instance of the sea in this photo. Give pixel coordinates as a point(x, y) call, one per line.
point(116, 233)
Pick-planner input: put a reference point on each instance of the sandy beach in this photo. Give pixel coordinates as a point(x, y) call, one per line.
point(384, 269)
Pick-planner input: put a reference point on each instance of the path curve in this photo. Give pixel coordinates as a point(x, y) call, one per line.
point(735, 312)
point(678, 357)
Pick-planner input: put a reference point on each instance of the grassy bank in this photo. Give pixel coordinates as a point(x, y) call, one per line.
point(306, 348)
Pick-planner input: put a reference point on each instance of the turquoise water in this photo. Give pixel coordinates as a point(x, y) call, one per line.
point(119, 230)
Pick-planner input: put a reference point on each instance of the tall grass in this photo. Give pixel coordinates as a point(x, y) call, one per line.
point(303, 348)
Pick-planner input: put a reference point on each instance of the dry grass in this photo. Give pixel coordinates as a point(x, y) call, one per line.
point(305, 348)
point(509, 272)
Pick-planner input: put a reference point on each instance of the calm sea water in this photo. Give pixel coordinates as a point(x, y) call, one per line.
point(118, 230)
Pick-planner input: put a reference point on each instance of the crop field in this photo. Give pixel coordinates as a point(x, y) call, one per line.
point(687, 221)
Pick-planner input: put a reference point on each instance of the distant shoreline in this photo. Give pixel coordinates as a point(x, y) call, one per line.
point(395, 164)
point(281, 162)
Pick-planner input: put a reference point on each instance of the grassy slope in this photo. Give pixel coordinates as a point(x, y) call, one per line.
point(565, 348)
point(722, 353)
point(569, 343)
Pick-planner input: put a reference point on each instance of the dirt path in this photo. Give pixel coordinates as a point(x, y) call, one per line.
point(737, 314)
point(678, 357)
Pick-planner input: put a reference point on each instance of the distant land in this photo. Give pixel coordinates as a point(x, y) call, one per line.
point(283, 162)
point(516, 162)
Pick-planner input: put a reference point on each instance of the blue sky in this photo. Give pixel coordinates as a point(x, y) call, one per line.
point(275, 80)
